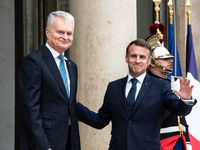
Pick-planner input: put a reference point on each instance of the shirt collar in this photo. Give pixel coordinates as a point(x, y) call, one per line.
point(139, 78)
point(54, 52)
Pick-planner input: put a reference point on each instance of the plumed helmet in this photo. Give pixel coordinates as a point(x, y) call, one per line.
point(161, 52)
point(158, 51)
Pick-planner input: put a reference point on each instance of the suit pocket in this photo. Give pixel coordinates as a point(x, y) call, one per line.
point(152, 140)
point(46, 119)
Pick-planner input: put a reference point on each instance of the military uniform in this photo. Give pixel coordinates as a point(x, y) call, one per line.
point(171, 127)
point(174, 129)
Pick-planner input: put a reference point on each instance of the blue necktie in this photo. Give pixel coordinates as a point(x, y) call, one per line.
point(63, 72)
point(131, 94)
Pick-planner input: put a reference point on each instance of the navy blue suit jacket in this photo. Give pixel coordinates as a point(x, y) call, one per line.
point(138, 129)
point(45, 107)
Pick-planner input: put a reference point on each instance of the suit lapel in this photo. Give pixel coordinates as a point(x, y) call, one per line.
point(123, 97)
point(48, 58)
point(71, 76)
point(145, 86)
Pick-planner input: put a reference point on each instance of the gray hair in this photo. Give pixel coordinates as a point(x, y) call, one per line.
point(65, 15)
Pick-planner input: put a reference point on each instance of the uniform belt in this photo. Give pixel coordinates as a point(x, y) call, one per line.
point(170, 129)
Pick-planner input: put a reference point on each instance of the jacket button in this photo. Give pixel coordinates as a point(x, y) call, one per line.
point(67, 123)
point(130, 122)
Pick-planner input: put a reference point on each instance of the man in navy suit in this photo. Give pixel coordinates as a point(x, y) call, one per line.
point(47, 100)
point(136, 126)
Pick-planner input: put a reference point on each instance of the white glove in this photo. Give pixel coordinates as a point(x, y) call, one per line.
point(175, 84)
point(189, 147)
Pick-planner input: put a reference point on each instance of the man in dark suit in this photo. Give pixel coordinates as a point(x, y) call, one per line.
point(47, 89)
point(136, 119)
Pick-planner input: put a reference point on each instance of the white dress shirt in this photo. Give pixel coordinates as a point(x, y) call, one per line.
point(57, 60)
point(140, 80)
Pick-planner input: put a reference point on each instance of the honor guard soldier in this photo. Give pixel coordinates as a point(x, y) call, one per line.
point(174, 129)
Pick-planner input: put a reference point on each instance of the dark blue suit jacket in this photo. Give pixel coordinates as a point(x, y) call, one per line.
point(138, 129)
point(170, 120)
point(44, 105)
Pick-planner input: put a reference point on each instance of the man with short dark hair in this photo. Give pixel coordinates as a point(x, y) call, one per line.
point(135, 104)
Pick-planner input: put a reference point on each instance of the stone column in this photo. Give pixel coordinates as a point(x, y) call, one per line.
point(103, 29)
point(195, 30)
point(181, 22)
